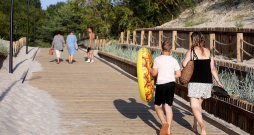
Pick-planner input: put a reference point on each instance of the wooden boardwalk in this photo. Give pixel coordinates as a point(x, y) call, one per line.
point(96, 99)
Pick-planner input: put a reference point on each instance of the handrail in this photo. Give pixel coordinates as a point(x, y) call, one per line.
point(166, 37)
point(222, 53)
point(247, 53)
point(247, 43)
point(224, 43)
point(177, 44)
point(180, 38)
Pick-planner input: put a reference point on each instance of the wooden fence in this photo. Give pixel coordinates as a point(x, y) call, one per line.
point(230, 42)
point(18, 44)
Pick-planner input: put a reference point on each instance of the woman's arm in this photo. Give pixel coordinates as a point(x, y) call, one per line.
point(214, 73)
point(90, 39)
point(53, 43)
point(187, 58)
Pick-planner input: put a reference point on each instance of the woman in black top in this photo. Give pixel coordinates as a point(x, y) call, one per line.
point(200, 85)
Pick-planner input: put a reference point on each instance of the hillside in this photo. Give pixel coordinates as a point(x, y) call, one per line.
point(219, 13)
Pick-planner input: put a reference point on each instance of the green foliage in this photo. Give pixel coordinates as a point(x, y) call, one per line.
point(239, 24)
point(3, 48)
point(197, 21)
point(20, 18)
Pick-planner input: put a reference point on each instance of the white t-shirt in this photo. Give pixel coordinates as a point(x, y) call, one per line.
point(166, 66)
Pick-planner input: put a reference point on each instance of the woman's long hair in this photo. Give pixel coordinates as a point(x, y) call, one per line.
point(198, 39)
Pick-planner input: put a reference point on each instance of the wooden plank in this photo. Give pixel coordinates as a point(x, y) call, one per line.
point(97, 99)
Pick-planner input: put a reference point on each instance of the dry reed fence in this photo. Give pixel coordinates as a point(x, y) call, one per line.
point(18, 44)
point(232, 110)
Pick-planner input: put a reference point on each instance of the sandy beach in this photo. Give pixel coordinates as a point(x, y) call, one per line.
point(23, 108)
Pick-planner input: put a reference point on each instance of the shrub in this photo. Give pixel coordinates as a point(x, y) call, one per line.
point(239, 24)
point(4, 50)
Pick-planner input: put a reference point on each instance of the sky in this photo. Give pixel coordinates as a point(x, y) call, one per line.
point(46, 3)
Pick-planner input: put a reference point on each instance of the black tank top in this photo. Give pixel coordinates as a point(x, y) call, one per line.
point(202, 69)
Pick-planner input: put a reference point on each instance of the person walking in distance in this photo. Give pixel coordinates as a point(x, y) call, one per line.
point(58, 43)
point(91, 45)
point(70, 42)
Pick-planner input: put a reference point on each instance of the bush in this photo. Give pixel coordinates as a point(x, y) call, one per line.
point(239, 24)
point(3, 48)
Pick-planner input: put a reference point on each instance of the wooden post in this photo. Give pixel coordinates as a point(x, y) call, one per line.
point(104, 42)
point(79, 36)
point(149, 38)
point(142, 37)
point(100, 43)
point(97, 42)
point(128, 37)
point(83, 34)
point(160, 38)
point(239, 46)
point(134, 37)
point(211, 41)
point(122, 34)
point(190, 43)
point(174, 34)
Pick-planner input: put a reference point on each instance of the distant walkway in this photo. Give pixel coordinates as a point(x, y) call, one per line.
point(96, 99)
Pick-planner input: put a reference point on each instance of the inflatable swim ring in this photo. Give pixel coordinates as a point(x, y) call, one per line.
point(145, 80)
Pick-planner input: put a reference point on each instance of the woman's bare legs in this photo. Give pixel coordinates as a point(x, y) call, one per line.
point(58, 60)
point(194, 129)
point(197, 112)
point(69, 56)
point(169, 116)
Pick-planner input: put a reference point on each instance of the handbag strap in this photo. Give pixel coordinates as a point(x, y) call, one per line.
point(194, 54)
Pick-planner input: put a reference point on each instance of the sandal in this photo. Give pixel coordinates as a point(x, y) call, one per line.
point(203, 127)
point(164, 129)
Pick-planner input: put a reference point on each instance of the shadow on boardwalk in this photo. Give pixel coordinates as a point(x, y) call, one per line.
point(132, 110)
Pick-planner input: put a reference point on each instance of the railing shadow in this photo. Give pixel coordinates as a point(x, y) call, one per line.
point(7, 91)
point(18, 65)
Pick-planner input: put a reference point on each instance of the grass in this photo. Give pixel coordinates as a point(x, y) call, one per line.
point(194, 22)
point(239, 24)
point(3, 48)
point(243, 89)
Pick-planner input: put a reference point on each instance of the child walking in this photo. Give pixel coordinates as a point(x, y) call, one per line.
point(167, 69)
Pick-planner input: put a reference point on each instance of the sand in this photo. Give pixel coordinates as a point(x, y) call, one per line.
point(215, 14)
point(25, 109)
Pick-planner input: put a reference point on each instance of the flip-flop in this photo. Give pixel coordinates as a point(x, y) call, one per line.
point(164, 129)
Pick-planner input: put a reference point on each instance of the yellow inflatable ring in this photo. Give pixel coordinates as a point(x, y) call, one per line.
point(145, 80)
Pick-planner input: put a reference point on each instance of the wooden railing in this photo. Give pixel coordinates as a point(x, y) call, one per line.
point(223, 41)
point(231, 42)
